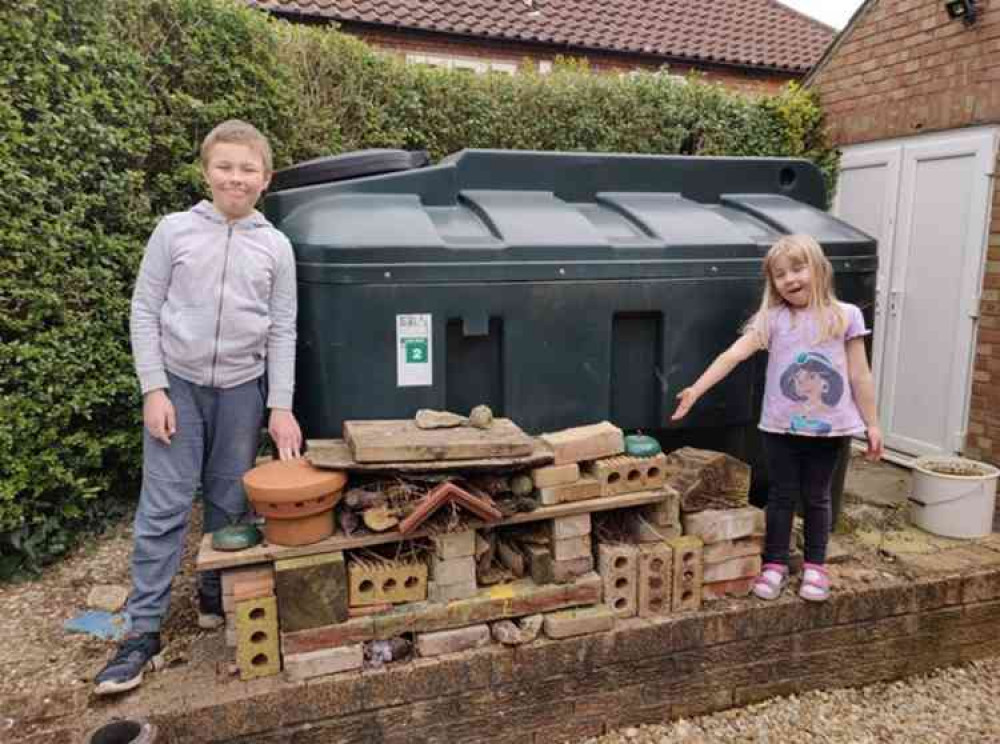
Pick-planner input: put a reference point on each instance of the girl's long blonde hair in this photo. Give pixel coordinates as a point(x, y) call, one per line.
point(823, 302)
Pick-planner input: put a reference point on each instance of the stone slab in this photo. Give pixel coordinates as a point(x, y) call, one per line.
point(403, 441)
point(579, 621)
point(438, 642)
point(303, 666)
point(312, 591)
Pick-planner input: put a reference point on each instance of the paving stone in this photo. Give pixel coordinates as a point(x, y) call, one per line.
point(716, 525)
point(585, 443)
point(573, 526)
point(555, 475)
point(107, 597)
point(311, 590)
point(735, 568)
point(655, 580)
point(579, 621)
point(453, 570)
point(436, 643)
point(571, 547)
point(447, 592)
point(728, 549)
point(581, 490)
point(299, 667)
point(454, 544)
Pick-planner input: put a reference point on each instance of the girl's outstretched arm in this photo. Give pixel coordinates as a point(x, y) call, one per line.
point(745, 347)
point(863, 389)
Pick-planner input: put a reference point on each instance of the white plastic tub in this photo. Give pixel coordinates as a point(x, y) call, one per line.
point(953, 497)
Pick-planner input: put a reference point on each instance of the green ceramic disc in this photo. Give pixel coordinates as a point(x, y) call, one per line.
point(639, 445)
point(236, 537)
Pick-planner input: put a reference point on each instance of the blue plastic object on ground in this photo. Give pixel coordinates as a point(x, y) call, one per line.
point(105, 625)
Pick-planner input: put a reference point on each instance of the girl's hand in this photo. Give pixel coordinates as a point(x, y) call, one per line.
point(285, 432)
point(874, 452)
point(158, 415)
point(686, 398)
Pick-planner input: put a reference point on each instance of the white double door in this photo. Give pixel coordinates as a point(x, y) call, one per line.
point(926, 200)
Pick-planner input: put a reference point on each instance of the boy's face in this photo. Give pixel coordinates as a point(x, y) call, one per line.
point(236, 175)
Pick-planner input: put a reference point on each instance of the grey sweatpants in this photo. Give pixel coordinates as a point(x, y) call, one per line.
point(215, 444)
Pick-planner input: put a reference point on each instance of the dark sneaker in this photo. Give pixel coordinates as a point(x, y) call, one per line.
point(124, 671)
point(210, 612)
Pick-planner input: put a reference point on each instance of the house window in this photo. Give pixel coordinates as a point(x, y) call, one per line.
point(465, 64)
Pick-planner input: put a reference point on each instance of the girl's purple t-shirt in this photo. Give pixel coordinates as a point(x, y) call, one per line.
point(808, 391)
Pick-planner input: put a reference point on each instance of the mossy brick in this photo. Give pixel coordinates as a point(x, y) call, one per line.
point(581, 490)
point(686, 591)
point(351, 631)
point(571, 547)
point(655, 580)
point(454, 544)
point(303, 666)
point(585, 443)
point(312, 591)
point(575, 525)
point(555, 475)
point(438, 642)
point(257, 641)
point(729, 549)
point(717, 525)
point(453, 570)
point(735, 568)
point(578, 621)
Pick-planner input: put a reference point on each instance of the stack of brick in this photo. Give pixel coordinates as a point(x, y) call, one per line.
point(733, 544)
point(565, 480)
point(453, 567)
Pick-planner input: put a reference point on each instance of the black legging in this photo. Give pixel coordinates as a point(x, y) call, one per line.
point(799, 467)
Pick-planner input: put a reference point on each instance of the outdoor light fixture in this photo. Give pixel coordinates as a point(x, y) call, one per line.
point(964, 9)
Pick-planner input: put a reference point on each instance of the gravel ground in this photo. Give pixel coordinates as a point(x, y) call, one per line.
point(953, 706)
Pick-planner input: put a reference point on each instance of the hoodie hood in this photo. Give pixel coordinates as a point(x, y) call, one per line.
point(208, 211)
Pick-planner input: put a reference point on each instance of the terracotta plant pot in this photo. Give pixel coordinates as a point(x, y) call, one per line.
point(295, 499)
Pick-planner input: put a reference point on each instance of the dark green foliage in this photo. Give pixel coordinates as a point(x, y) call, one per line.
point(102, 107)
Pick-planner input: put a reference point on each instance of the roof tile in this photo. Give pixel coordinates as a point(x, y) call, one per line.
point(760, 33)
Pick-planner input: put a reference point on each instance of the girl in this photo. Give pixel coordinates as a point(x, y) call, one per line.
point(815, 345)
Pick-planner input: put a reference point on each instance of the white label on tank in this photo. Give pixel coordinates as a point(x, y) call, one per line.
point(413, 351)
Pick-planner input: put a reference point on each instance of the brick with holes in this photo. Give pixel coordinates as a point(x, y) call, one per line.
point(655, 580)
point(625, 474)
point(257, 640)
point(617, 564)
point(686, 590)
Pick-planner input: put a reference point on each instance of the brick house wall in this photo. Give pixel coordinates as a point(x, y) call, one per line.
point(744, 79)
point(904, 68)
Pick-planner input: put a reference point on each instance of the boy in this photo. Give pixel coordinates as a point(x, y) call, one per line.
point(213, 334)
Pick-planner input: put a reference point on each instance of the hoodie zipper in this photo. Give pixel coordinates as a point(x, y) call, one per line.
point(222, 294)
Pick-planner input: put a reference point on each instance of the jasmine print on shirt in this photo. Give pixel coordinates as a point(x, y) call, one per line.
point(816, 387)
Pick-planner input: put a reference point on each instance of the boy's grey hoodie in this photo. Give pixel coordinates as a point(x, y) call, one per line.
point(215, 304)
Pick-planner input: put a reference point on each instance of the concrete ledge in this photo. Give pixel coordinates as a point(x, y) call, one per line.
point(646, 670)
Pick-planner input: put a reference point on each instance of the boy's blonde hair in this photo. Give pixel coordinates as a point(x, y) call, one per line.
point(822, 301)
point(235, 131)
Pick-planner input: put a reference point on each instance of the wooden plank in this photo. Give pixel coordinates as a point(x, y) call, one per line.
point(402, 441)
point(209, 559)
point(335, 454)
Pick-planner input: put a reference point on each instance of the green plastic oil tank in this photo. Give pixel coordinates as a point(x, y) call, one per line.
point(557, 288)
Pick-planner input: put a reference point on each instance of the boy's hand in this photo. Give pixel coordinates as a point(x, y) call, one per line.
point(285, 432)
point(874, 452)
point(158, 415)
point(686, 398)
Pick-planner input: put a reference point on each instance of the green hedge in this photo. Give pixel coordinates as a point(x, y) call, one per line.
point(102, 107)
